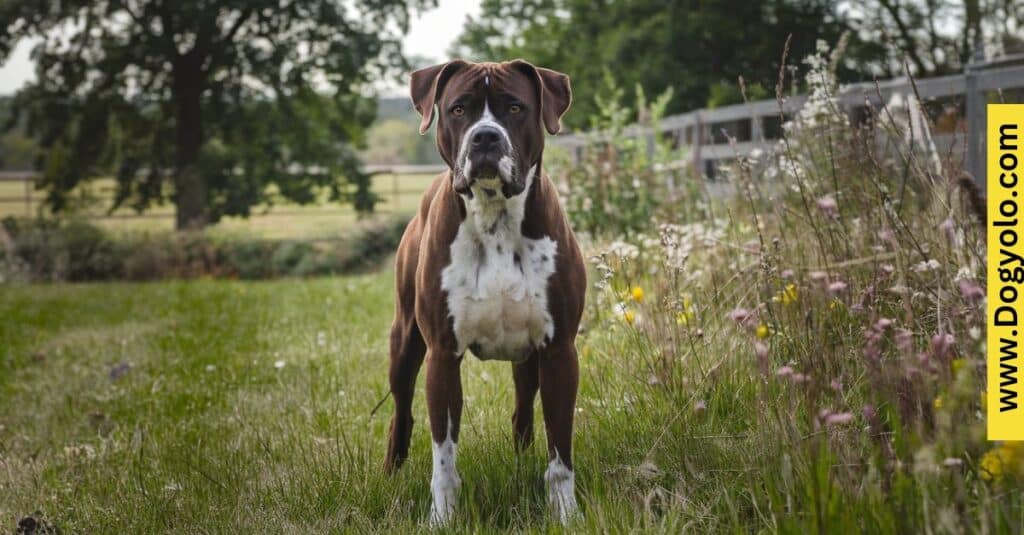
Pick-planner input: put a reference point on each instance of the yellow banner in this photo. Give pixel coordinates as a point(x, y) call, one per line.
point(1005, 169)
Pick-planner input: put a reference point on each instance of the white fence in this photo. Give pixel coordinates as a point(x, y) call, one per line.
point(755, 125)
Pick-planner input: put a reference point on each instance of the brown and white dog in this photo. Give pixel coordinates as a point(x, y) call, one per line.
point(489, 264)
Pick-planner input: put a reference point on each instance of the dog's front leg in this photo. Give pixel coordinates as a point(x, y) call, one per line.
point(559, 379)
point(444, 404)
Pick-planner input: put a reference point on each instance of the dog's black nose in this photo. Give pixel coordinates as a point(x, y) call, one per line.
point(486, 137)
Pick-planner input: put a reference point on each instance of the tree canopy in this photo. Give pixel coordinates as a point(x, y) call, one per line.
point(701, 47)
point(208, 102)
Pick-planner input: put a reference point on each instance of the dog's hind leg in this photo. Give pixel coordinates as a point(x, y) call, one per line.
point(407, 350)
point(525, 376)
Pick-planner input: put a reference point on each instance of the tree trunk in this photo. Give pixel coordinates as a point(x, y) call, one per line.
point(190, 195)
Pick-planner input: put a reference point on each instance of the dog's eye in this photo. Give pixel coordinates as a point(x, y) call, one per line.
point(515, 108)
point(458, 111)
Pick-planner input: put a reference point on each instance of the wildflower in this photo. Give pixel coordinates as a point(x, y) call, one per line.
point(762, 331)
point(837, 385)
point(829, 206)
point(834, 304)
point(788, 295)
point(937, 403)
point(956, 365)
point(952, 462)
point(839, 418)
point(700, 406)
point(1000, 461)
point(817, 276)
point(684, 318)
point(836, 287)
point(941, 344)
point(638, 294)
point(784, 371)
point(971, 291)
point(279, 364)
point(787, 274)
point(930, 265)
point(623, 250)
point(904, 340)
point(628, 316)
point(739, 315)
point(210, 368)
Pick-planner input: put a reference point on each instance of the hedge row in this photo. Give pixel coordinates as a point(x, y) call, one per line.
point(47, 250)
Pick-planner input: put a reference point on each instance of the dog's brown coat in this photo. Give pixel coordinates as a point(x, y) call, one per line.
point(423, 324)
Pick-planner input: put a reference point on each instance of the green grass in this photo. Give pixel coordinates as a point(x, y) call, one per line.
point(398, 194)
point(204, 433)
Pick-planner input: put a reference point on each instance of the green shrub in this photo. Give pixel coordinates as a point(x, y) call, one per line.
point(49, 250)
point(91, 254)
point(624, 181)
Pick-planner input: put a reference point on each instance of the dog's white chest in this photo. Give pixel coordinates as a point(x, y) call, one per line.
point(497, 288)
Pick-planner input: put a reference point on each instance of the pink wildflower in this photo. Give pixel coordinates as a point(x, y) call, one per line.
point(829, 206)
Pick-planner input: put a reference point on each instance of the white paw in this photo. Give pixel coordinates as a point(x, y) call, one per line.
point(445, 493)
point(561, 491)
point(444, 484)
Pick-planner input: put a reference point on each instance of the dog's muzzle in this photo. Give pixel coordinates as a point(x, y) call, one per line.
point(488, 163)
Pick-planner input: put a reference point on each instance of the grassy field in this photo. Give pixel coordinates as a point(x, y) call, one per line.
point(399, 194)
point(225, 407)
point(245, 407)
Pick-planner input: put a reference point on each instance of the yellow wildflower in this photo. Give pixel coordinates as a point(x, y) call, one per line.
point(628, 316)
point(937, 403)
point(788, 295)
point(835, 304)
point(684, 318)
point(638, 294)
point(1004, 459)
point(957, 364)
point(762, 331)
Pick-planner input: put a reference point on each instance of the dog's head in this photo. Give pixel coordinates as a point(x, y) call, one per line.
point(490, 118)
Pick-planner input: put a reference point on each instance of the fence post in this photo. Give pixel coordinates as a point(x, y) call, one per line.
point(698, 140)
point(28, 196)
point(975, 104)
point(394, 189)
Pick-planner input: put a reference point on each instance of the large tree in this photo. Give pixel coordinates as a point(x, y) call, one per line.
point(694, 46)
point(934, 37)
point(701, 47)
point(205, 101)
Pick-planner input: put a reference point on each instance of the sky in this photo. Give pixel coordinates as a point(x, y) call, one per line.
point(430, 35)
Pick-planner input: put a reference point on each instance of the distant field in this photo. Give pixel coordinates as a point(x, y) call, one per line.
point(279, 221)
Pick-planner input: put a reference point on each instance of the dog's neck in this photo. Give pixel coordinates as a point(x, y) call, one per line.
point(488, 211)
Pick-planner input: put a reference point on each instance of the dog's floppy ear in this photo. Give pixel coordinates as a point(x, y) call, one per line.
point(426, 87)
point(555, 93)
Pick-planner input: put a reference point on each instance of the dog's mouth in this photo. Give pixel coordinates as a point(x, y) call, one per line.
point(488, 176)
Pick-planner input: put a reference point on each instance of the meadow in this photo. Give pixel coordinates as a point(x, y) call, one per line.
point(398, 194)
point(807, 356)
